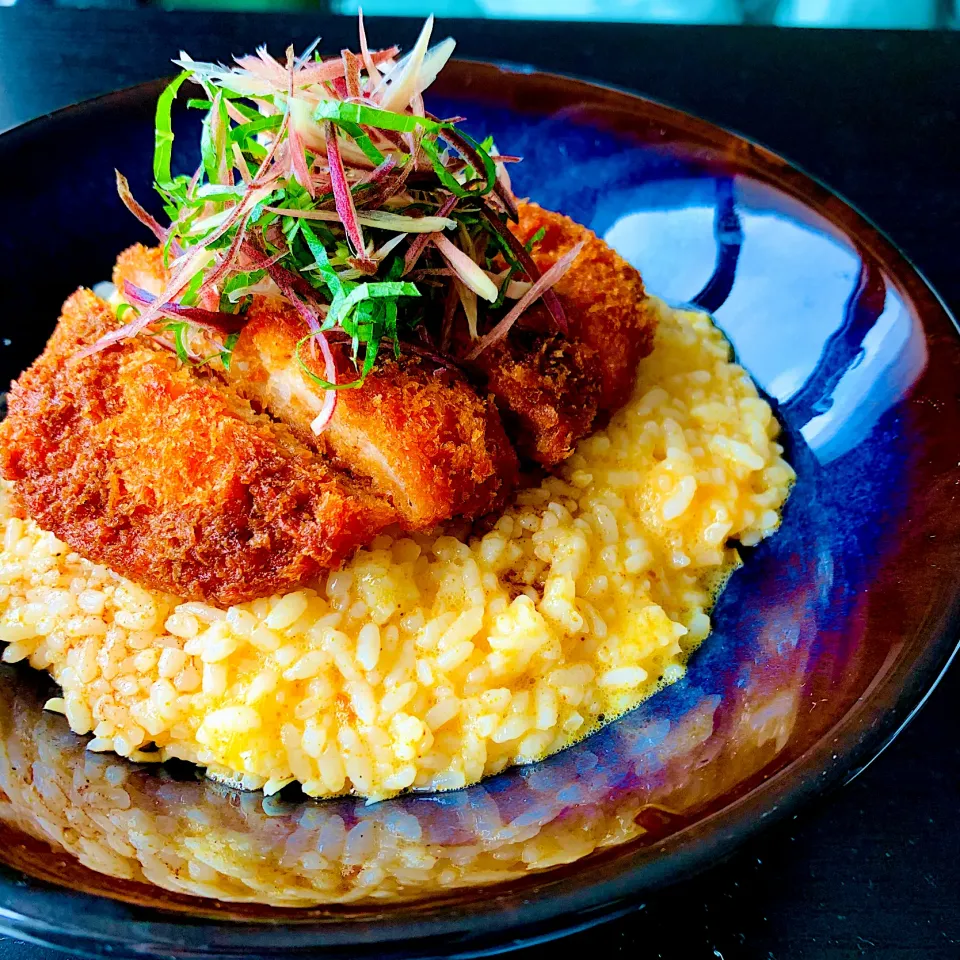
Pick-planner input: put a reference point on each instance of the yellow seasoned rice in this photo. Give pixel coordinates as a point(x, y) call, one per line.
point(429, 662)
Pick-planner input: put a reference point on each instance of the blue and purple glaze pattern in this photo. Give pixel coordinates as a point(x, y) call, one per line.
point(824, 642)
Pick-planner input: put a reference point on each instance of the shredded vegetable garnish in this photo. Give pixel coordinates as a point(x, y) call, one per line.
point(325, 183)
point(536, 291)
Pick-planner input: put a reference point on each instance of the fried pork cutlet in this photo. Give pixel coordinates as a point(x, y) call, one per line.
point(418, 430)
point(606, 306)
point(423, 436)
point(547, 388)
point(171, 478)
point(550, 388)
point(143, 267)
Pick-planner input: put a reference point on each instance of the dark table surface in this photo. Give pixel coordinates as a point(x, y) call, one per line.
point(873, 871)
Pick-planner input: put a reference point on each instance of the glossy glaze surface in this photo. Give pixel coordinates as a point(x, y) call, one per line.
point(823, 643)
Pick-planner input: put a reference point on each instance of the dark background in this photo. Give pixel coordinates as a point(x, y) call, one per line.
point(873, 871)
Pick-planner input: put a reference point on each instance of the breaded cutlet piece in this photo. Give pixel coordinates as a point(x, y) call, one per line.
point(547, 388)
point(416, 429)
point(602, 296)
point(170, 478)
point(550, 387)
point(419, 432)
point(143, 267)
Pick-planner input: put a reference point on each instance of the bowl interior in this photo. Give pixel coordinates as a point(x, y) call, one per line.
point(823, 643)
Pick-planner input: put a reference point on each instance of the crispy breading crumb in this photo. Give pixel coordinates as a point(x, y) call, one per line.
point(419, 431)
point(549, 387)
point(603, 296)
point(171, 478)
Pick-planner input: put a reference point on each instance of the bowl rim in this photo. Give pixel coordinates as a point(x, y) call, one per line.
point(507, 916)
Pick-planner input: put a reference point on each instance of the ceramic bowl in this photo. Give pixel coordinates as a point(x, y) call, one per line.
point(825, 642)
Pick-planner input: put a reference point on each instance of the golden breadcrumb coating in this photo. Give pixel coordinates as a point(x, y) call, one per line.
point(551, 387)
point(547, 388)
point(143, 267)
point(418, 430)
point(602, 295)
point(171, 478)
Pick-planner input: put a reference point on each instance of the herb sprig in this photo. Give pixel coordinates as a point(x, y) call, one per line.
point(325, 183)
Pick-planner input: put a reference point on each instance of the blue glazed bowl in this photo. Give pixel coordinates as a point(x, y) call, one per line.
point(825, 642)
